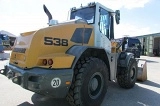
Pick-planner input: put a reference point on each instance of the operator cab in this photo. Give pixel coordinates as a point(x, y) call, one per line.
point(101, 18)
point(84, 13)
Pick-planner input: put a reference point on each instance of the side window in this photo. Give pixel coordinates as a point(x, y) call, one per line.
point(104, 22)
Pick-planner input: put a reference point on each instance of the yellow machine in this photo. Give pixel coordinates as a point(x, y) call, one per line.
point(74, 59)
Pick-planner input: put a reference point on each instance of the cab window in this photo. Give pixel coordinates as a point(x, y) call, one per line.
point(104, 22)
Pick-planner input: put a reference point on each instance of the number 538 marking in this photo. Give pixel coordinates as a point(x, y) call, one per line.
point(55, 41)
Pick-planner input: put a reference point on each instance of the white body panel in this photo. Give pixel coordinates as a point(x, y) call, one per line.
point(100, 39)
point(103, 42)
point(113, 66)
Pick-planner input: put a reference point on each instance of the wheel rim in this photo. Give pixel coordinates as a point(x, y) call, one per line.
point(132, 73)
point(95, 85)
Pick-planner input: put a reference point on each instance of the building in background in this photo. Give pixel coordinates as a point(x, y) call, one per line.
point(10, 36)
point(150, 44)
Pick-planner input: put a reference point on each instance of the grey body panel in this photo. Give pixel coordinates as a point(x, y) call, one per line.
point(39, 80)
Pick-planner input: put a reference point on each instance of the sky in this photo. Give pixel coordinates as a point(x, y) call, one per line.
point(138, 17)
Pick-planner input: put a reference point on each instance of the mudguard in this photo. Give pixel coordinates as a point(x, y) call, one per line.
point(123, 59)
point(77, 51)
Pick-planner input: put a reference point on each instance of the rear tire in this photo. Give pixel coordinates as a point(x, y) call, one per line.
point(127, 76)
point(89, 84)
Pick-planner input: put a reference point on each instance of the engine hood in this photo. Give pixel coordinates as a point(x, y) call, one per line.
point(56, 39)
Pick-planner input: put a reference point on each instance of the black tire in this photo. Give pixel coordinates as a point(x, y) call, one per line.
point(89, 84)
point(128, 76)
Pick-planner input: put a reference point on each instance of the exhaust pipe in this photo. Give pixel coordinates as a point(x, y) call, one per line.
point(50, 20)
point(48, 13)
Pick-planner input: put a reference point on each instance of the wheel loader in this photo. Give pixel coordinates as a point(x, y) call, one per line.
point(74, 59)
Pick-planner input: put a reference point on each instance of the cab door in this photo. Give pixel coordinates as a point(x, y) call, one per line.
point(104, 29)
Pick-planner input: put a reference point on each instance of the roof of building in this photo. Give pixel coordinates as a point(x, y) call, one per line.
point(7, 33)
point(153, 34)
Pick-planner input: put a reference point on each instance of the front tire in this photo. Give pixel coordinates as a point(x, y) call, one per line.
point(89, 84)
point(127, 76)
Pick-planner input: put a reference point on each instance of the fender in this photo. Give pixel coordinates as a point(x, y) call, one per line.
point(123, 59)
point(79, 50)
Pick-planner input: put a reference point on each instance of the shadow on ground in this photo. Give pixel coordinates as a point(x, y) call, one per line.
point(116, 96)
point(137, 96)
point(39, 100)
point(25, 104)
point(149, 61)
point(150, 83)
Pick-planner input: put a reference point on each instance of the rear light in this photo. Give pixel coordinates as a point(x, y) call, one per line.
point(50, 61)
point(44, 61)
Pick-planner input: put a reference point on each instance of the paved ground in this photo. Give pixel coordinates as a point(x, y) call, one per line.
point(143, 94)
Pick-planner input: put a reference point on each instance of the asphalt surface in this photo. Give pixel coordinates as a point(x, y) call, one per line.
point(143, 94)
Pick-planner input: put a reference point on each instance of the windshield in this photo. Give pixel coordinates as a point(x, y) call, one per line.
point(86, 14)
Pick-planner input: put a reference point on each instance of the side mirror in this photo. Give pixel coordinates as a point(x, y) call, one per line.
point(117, 16)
